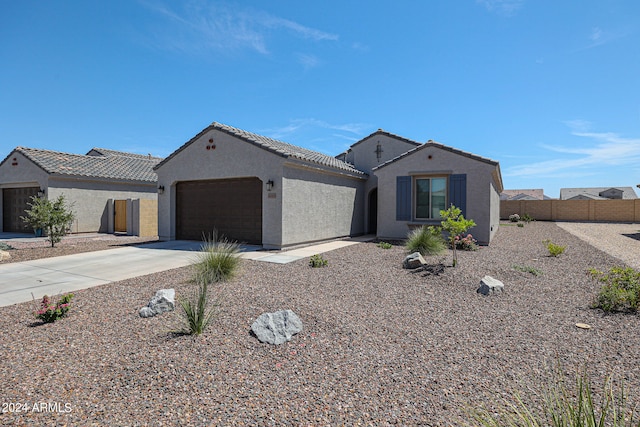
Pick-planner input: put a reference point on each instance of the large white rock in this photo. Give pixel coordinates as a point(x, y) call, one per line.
point(4, 255)
point(163, 301)
point(278, 327)
point(489, 285)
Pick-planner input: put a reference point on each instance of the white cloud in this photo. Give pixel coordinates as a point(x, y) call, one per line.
point(504, 7)
point(598, 36)
point(200, 27)
point(298, 125)
point(307, 60)
point(603, 150)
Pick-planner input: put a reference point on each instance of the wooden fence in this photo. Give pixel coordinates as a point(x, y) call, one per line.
point(621, 210)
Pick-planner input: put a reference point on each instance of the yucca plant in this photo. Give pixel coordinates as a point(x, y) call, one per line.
point(198, 314)
point(427, 240)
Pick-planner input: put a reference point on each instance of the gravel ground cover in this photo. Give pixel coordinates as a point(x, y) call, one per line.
point(380, 345)
point(31, 249)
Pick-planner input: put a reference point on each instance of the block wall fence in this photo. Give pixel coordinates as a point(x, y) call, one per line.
point(626, 210)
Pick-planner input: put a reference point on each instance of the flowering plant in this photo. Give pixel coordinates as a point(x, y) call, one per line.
point(466, 243)
point(50, 312)
point(514, 218)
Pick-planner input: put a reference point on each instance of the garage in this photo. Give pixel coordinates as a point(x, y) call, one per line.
point(233, 207)
point(14, 203)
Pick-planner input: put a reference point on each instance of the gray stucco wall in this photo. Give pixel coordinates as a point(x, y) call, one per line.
point(363, 156)
point(318, 206)
point(483, 201)
point(90, 200)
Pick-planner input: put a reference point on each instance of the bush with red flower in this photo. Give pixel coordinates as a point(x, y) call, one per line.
point(50, 312)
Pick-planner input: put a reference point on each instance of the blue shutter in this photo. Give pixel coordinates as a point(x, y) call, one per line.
point(458, 192)
point(403, 198)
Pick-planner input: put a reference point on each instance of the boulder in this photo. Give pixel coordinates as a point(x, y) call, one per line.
point(163, 301)
point(414, 260)
point(489, 285)
point(278, 327)
point(4, 255)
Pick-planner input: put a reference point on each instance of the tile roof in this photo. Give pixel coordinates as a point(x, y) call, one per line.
point(277, 147)
point(103, 163)
point(594, 192)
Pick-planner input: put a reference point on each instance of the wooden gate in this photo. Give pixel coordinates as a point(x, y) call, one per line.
point(120, 216)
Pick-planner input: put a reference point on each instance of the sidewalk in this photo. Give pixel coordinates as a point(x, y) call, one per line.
point(68, 273)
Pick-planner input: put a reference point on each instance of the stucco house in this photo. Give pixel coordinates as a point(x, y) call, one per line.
point(598, 193)
point(108, 190)
point(259, 190)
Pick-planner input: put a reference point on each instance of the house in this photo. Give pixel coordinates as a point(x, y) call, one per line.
point(528, 194)
point(598, 193)
point(259, 190)
point(108, 190)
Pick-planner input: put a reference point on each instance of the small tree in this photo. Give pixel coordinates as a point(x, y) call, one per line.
point(454, 223)
point(53, 217)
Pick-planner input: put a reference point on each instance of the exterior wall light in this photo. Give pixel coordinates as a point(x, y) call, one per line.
point(161, 189)
point(269, 185)
point(41, 192)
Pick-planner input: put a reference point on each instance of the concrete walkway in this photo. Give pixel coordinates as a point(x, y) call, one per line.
point(68, 273)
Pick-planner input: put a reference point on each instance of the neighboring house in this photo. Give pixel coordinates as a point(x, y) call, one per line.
point(259, 190)
point(108, 190)
point(597, 193)
point(535, 194)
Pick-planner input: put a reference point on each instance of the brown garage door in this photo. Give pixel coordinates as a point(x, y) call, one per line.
point(233, 207)
point(14, 203)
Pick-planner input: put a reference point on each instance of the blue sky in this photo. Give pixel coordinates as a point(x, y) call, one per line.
point(550, 89)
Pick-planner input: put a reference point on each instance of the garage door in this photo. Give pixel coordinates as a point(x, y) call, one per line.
point(14, 203)
point(233, 207)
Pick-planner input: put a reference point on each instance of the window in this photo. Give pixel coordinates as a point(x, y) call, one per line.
point(431, 197)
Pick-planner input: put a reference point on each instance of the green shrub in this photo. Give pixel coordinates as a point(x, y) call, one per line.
point(317, 261)
point(385, 245)
point(520, 225)
point(563, 407)
point(528, 269)
point(527, 218)
point(198, 315)
point(54, 218)
point(427, 240)
point(5, 246)
point(514, 218)
point(621, 289)
point(217, 260)
point(554, 250)
point(50, 312)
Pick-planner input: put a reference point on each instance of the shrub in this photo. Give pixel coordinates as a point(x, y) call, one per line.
point(520, 225)
point(197, 314)
point(385, 245)
point(5, 246)
point(563, 407)
point(554, 250)
point(514, 218)
point(54, 218)
point(621, 290)
point(427, 240)
point(50, 312)
point(317, 261)
point(455, 224)
point(528, 269)
point(217, 260)
point(527, 218)
point(466, 243)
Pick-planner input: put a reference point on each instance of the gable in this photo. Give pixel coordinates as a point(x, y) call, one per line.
point(376, 149)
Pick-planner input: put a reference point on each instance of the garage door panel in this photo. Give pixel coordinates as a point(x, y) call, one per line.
point(14, 203)
point(233, 207)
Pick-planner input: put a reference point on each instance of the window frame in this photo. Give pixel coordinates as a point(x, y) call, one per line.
point(415, 195)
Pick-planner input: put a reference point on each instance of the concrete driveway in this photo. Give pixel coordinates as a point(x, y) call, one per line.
point(52, 276)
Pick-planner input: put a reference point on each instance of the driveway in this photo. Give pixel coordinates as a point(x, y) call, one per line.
point(52, 276)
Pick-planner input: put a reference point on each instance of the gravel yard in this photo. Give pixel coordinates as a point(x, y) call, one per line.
point(381, 345)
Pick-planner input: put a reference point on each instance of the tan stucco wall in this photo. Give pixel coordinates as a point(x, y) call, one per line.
point(318, 206)
point(483, 200)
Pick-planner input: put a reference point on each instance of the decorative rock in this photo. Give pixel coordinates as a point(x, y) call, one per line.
point(278, 327)
point(163, 301)
point(489, 285)
point(583, 326)
point(4, 255)
point(414, 260)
